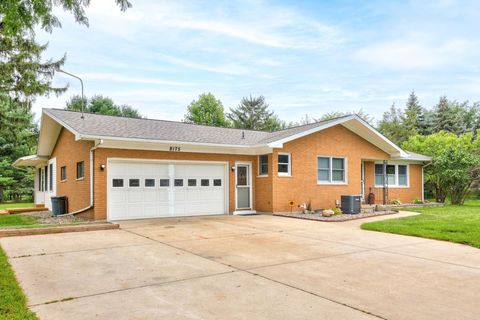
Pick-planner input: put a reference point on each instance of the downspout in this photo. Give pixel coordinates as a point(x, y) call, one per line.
point(91, 205)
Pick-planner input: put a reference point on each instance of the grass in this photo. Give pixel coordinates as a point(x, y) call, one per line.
point(16, 205)
point(13, 303)
point(460, 224)
point(10, 221)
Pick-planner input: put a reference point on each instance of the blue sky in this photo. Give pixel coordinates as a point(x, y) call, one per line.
point(305, 57)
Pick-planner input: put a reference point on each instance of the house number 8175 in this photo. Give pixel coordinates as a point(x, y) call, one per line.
point(175, 149)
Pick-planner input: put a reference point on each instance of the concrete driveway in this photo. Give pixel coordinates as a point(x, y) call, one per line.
point(251, 267)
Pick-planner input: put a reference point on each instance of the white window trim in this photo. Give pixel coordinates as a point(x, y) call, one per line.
point(396, 185)
point(259, 175)
point(339, 183)
point(289, 173)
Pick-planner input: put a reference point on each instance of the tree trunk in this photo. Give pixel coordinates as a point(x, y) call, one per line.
point(1, 194)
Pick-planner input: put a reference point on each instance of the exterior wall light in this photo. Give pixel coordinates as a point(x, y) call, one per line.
point(102, 167)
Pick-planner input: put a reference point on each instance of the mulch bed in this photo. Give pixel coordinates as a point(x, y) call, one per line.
point(336, 218)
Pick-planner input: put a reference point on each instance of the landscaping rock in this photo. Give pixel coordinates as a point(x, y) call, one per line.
point(328, 213)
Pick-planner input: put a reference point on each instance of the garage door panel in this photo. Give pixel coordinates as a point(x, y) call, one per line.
point(159, 197)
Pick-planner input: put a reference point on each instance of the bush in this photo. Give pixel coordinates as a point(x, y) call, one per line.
point(396, 202)
point(417, 201)
point(337, 211)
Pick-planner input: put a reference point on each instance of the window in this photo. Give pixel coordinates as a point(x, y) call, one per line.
point(263, 165)
point(397, 175)
point(217, 182)
point(134, 183)
point(150, 183)
point(39, 177)
point(45, 180)
point(402, 175)
point(63, 173)
point(117, 183)
point(164, 182)
point(204, 182)
point(192, 182)
point(331, 170)
point(50, 182)
point(178, 182)
point(284, 164)
point(80, 170)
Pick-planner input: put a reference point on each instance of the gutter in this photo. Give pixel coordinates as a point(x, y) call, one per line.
point(91, 205)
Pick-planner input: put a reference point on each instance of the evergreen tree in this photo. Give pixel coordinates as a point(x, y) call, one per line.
point(252, 113)
point(412, 118)
point(101, 105)
point(444, 117)
point(17, 138)
point(207, 110)
point(391, 125)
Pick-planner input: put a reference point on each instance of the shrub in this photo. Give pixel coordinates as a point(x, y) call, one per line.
point(337, 211)
point(396, 202)
point(417, 201)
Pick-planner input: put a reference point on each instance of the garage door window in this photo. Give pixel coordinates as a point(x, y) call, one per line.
point(117, 183)
point(164, 182)
point(192, 182)
point(217, 182)
point(205, 182)
point(178, 183)
point(134, 183)
point(150, 183)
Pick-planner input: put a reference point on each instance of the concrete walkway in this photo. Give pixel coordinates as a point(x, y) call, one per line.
point(250, 267)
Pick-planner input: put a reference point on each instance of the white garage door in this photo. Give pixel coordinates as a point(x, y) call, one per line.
point(158, 189)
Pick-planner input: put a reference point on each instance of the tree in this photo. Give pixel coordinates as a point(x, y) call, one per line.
point(444, 118)
point(391, 125)
point(207, 110)
point(455, 163)
point(252, 113)
point(412, 118)
point(17, 139)
point(22, 73)
point(18, 16)
point(336, 114)
point(102, 105)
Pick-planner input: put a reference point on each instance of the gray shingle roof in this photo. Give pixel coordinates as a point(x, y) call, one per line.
point(149, 129)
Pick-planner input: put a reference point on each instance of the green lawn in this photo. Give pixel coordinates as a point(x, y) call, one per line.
point(9, 221)
point(459, 224)
point(15, 205)
point(13, 304)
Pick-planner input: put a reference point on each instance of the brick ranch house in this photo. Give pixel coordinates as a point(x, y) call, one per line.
point(122, 168)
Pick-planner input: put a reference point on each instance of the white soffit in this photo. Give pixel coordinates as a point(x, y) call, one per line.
point(368, 133)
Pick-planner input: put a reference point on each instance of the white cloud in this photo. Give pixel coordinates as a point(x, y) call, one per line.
point(132, 79)
point(413, 53)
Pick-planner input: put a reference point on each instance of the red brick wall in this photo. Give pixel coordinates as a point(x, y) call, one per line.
point(68, 152)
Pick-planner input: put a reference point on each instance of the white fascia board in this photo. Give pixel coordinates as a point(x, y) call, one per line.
point(279, 143)
point(143, 144)
point(62, 123)
point(401, 153)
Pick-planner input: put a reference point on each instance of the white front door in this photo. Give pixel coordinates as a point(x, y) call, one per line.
point(243, 180)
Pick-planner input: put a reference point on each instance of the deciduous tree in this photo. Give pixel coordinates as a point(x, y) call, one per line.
point(206, 110)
